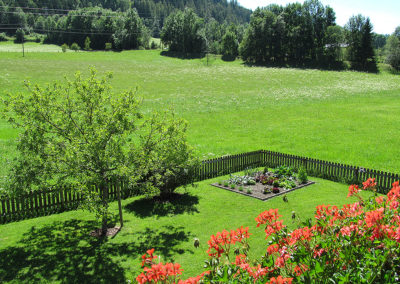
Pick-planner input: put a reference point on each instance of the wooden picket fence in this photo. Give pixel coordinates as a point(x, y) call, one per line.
point(40, 203)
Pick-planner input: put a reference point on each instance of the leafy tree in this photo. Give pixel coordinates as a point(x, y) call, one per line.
point(379, 40)
point(87, 44)
point(334, 38)
point(181, 32)
point(295, 34)
point(64, 47)
point(393, 51)
point(359, 38)
point(397, 32)
point(80, 134)
point(229, 46)
point(75, 47)
point(108, 46)
point(20, 36)
point(131, 33)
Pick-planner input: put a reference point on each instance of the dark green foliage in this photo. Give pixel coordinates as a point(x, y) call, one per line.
point(75, 47)
point(131, 32)
point(392, 49)
point(108, 46)
point(181, 32)
point(3, 37)
point(20, 36)
point(295, 34)
point(64, 47)
point(152, 12)
point(359, 38)
point(229, 46)
point(87, 44)
point(379, 40)
point(283, 171)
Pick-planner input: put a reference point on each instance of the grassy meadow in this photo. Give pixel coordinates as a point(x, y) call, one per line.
point(347, 117)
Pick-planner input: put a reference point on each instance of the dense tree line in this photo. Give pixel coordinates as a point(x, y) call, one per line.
point(297, 33)
point(152, 12)
point(155, 12)
point(304, 34)
point(123, 30)
point(392, 49)
point(185, 32)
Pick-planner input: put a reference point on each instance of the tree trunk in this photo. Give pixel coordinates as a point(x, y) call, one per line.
point(104, 191)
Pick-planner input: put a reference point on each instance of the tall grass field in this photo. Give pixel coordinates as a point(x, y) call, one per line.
point(347, 117)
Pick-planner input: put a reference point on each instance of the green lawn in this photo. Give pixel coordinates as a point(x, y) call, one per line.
point(347, 117)
point(58, 248)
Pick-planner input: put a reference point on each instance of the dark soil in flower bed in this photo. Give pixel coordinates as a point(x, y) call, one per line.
point(257, 190)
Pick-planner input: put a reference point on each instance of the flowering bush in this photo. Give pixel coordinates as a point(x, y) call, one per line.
point(356, 243)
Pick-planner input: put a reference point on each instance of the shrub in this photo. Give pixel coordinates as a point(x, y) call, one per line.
point(64, 47)
point(19, 36)
point(3, 37)
point(233, 186)
point(249, 191)
point(302, 175)
point(75, 47)
point(240, 188)
point(87, 44)
point(283, 171)
point(153, 45)
point(358, 243)
point(108, 46)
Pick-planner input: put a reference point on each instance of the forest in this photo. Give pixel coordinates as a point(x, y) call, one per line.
point(296, 34)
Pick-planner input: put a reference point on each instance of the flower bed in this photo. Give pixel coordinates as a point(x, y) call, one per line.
point(265, 184)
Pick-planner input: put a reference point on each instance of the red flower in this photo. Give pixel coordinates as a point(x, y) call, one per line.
point(279, 280)
point(305, 233)
point(318, 252)
point(267, 217)
point(273, 228)
point(300, 269)
point(273, 249)
point(397, 235)
point(147, 258)
point(369, 183)
point(373, 218)
point(353, 189)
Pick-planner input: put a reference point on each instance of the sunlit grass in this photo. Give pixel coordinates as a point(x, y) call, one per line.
point(347, 117)
point(44, 247)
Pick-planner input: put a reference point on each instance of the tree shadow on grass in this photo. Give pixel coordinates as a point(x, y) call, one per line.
point(177, 204)
point(65, 252)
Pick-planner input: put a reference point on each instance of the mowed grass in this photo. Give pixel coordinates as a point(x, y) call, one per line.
point(58, 248)
point(347, 117)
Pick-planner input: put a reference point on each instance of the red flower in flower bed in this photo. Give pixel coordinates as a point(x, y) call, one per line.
point(275, 190)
